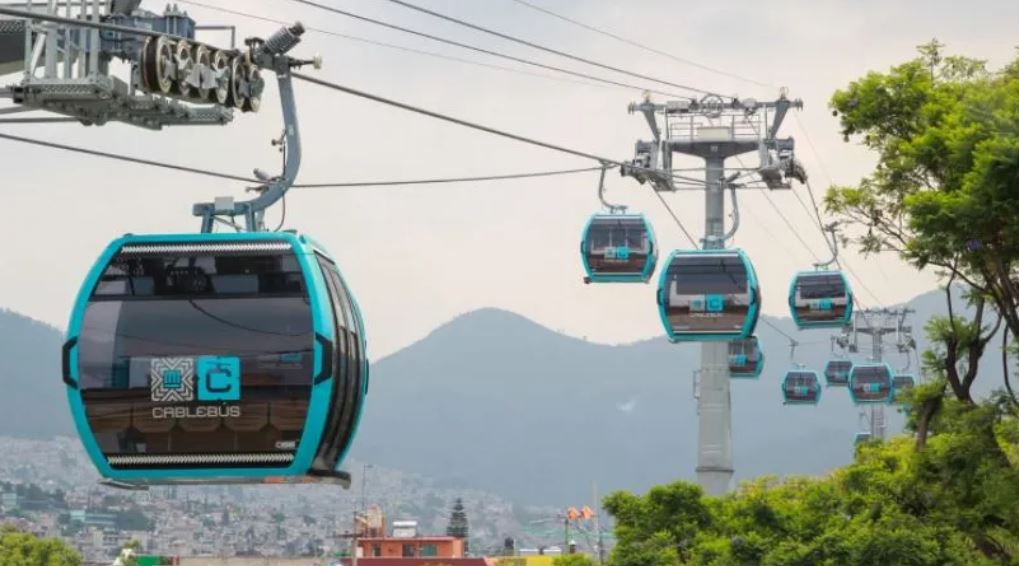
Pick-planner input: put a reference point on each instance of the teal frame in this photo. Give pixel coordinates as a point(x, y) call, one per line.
point(758, 369)
point(828, 383)
point(788, 374)
point(801, 324)
point(749, 324)
point(891, 385)
point(649, 265)
point(320, 305)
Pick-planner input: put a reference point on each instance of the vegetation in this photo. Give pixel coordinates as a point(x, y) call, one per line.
point(955, 502)
point(944, 194)
point(23, 549)
point(458, 526)
point(573, 560)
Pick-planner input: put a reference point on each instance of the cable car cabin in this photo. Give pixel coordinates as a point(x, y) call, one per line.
point(216, 358)
point(836, 372)
point(871, 384)
point(618, 248)
point(902, 383)
point(708, 295)
point(746, 360)
point(801, 387)
point(820, 299)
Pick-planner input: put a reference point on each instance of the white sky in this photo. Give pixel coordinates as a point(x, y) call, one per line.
point(417, 257)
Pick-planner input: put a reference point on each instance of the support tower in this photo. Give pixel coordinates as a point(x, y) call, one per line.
point(715, 129)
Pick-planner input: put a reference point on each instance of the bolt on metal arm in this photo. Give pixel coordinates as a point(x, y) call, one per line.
point(613, 208)
point(271, 55)
point(833, 245)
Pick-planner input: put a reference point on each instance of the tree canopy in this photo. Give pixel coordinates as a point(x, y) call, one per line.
point(458, 526)
point(955, 502)
point(945, 190)
point(23, 549)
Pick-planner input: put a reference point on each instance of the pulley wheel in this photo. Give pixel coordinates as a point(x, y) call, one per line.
point(253, 99)
point(235, 96)
point(206, 79)
point(221, 78)
point(184, 57)
point(159, 66)
point(148, 66)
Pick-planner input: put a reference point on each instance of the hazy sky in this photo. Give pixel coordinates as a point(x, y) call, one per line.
point(416, 257)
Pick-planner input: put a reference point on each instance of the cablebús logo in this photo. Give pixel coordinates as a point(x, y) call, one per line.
point(210, 379)
point(219, 378)
point(172, 380)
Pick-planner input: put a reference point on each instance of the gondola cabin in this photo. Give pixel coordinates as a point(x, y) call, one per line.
point(836, 372)
point(820, 299)
point(902, 383)
point(871, 383)
point(801, 387)
point(618, 248)
point(216, 358)
point(746, 360)
point(708, 295)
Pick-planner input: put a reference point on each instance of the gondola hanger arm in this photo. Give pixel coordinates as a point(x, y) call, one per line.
point(613, 208)
point(269, 54)
point(830, 231)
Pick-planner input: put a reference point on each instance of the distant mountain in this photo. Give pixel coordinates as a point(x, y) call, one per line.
point(32, 402)
point(494, 401)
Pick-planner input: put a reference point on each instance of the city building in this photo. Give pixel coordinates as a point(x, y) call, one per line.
point(411, 547)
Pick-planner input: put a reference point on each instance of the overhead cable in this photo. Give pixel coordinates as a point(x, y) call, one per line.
point(479, 127)
point(137, 160)
point(481, 49)
point(639, 45)
point(679, 223)
point(343, 184)
point(446, 180)
point(775, 328)
point(451, 119)
point(393, 46)
point(547, 49)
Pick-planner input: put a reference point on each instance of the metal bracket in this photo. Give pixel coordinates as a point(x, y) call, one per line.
point(270, 54)
point(613, 208)
point(831, 231)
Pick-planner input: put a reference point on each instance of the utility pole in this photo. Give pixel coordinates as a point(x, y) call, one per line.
point(876, 324)
point(715, 129)
point(364, 486)
point(597, 524)
point(353, 541)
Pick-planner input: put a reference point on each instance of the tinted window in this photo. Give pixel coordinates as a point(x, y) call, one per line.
point(238, 328)
point(600, 237)
point(694, 275)
point(144, 275)
point(871, 374)
point(821, 286)
point(346, 394)
point(118, 338)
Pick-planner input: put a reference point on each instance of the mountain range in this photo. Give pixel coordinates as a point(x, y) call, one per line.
point(494, 401)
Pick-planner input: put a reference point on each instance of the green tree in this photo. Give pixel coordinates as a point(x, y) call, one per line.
point(954, 503)
point(458, 525)
point(945, 191)
point(573, 560)
point(22, 549)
